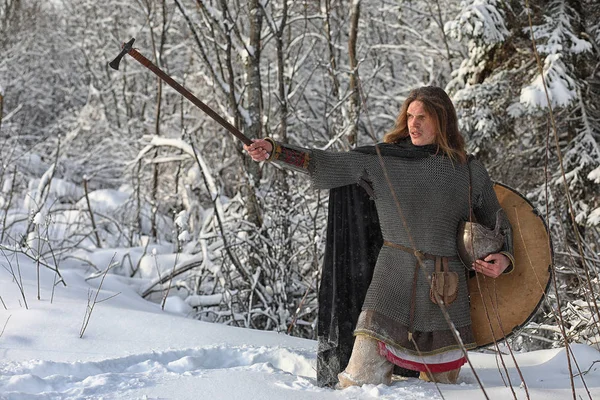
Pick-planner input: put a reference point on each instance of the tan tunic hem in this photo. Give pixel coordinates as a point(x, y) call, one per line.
point(380, 327)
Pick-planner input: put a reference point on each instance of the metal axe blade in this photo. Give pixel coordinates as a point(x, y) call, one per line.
point(114, 64)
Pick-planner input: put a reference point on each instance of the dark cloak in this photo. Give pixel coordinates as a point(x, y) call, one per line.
point(352, 246)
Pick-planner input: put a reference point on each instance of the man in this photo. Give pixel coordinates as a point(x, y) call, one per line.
point(423, 186)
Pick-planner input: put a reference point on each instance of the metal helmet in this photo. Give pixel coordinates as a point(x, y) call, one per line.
point(475, 241)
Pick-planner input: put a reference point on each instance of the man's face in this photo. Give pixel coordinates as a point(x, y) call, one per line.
point(421, 125)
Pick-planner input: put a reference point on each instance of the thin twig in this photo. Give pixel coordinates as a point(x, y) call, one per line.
point(90, 308)
point(570, 205)
point(298, 311)
point(89, 206)
point(166, 294)
point(589, 369)
point(1, 108)
point(8, 319)
point(26, 254)
point(16, 275)
point(8, 203)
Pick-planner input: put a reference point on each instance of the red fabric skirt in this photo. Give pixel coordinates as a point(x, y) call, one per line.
point(442, 362)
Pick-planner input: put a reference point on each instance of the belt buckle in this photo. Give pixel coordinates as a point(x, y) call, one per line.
point(419, 254)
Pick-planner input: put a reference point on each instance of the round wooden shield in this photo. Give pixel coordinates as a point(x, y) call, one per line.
point(501, 306)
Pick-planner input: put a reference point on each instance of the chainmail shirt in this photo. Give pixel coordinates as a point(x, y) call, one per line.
point(420, 202)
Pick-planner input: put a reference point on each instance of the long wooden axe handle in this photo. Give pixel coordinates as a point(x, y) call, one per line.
point(128, 49)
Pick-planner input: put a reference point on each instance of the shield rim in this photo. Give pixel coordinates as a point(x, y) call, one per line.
point(519, 327)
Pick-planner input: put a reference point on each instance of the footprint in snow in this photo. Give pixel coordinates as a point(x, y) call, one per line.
point(48, 379)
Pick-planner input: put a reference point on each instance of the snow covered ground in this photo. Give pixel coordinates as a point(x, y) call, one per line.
point(131, 349)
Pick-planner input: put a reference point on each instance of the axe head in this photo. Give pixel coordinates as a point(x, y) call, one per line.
point(114, 64)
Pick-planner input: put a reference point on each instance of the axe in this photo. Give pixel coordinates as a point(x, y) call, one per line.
point(128, 49)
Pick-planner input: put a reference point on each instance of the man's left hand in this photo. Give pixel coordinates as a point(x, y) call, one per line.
point(493, 265)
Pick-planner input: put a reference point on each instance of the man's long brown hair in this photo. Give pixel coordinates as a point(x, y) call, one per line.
point(440, 107)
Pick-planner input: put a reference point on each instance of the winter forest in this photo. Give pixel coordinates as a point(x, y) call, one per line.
point(98, 164)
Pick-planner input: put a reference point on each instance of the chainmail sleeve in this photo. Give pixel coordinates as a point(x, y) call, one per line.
point(327, 169)
point(487, 209)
